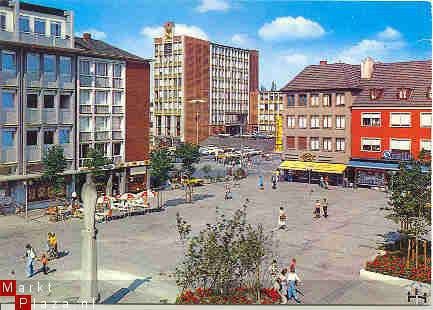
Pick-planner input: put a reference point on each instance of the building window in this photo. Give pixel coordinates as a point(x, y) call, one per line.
point(370, 119)
point(85, 124)
point(291, 121)
point(101, 98)
point(8, 100)
point(56, 29)
point(314, 122)
point(40, 26)
point(168, 49)
point(340, 122)
point(117, 70)
point(425, 119)
point(339, 100)
point(48, 137)
point(32, 137)
point(117, 98)
point(85, 67)
point(85, 97)
point(24, 24)
point(327, 144)
point(314, 144)
point(400, 119)
point(33, 63)
point(340, 144)
point(314, 100)
point(303, 100)
point(116, 149)
point(399, 144)
point(404, 93)
point(290, 100)
point(302, 143)
point(8, 61)
point(2, 22)
point(376, 93)
point(65, 65)
point(425, 145)
point(429, 93)
point(49, 63)
point(302, 121)
point(48, 101)
point(101, 123)
point(8, 138)
point(84, 150)
point(65, 102)
point(32, 101)
point(327, 121)
point(370, 144)
point(290, 142)
point(101, 69)
point(326, 100)
point(64, 136)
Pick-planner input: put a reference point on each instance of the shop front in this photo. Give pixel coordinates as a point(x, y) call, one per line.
point(311, 172)
point(365, 173)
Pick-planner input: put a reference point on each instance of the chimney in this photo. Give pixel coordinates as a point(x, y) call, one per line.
point(87, 36)
point(323, 62)
point(367, 68)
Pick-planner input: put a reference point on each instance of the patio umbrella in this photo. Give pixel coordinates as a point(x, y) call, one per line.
point(127, 196)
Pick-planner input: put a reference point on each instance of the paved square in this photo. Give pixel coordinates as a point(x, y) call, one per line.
point(329, 251)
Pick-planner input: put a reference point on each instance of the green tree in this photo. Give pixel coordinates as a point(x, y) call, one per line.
point(409, 201)
point(189, 155)
point(223, 256)
point(160, 166)
point(55, 163)
point(97, 163)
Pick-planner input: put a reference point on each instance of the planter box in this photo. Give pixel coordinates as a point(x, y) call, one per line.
point(374, 276)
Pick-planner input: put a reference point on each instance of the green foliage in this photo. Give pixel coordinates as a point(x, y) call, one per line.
point(55, 164)
point(96, 162)
point(206, 170)
point(189, 155)
point(410, 197)
point(160, 166)
point(225, 255)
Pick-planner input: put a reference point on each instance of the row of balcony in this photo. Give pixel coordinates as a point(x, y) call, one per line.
point(33, 38)
point(32, 152)
point(100, 82)
point(101, 135)
point(116, 159)
point(101, 109)
point(38, 80)
point(38, 116)
point(158, 75)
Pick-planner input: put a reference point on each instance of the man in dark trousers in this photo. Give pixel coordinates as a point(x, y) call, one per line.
point(325, 207)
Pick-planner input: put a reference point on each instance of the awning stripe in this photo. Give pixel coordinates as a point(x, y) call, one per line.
point(316, 167)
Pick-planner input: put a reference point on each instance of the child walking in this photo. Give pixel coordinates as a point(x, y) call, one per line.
point(44, 262)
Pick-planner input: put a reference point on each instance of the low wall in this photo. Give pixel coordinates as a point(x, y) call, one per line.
point(374, 276)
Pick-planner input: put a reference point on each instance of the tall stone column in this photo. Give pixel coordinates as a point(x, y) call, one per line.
point(89, 258)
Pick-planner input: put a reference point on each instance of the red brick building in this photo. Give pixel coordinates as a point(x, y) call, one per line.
point(391, 118)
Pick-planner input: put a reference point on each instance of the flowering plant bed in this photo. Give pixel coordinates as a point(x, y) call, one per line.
point(238, 296)
point(395, 266)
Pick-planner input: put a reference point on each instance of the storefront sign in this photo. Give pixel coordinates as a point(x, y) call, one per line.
point(390, 155)
point(307, 157)
point(40, 191)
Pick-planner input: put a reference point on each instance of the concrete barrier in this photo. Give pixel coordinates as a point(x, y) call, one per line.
point(374, 276)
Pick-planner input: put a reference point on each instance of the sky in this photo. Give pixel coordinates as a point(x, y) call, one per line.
point(288, 34)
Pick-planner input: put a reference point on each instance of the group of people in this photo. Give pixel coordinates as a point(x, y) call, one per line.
point(324, 182)
point(31, 257)
point(285, 281)
point(321, 205)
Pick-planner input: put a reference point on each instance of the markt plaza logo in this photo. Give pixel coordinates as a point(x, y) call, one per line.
point(8, 288)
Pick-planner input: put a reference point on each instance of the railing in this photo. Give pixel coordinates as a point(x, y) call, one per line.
point(117, 109)
point(49, 79)
point(8, 116)
point(65, 117)
point(33, 38)
point(67, 150)
point(49, 116)
point(85, 136)
point(102, 109)
point(33, 115)
point(8, 155)
point(8, 78)
point(33, 79)
point(117, 159)
point(85, 109)
point(117, 135)
point(102, 135)
point(33, 153)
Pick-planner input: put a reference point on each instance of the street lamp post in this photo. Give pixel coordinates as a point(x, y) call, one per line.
point(197, 117)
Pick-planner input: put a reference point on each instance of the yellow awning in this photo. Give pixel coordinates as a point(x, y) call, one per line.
point(317, 167)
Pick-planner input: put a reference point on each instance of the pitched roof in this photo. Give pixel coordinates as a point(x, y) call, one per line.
point(416, 75)
point(103, 49)
point(325, 76)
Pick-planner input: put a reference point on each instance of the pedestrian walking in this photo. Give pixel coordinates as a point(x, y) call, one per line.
point(282, 219)
point(30, 257)
point(325, 207)
point(293, 264)
point(228, 193)
point(273, 271)
point(282, 280)
point(44, 262)
point(261, 185)
point(322, 182)
point(274, 181)
point(292, 282)
point(317, 209)
point(326, 182)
